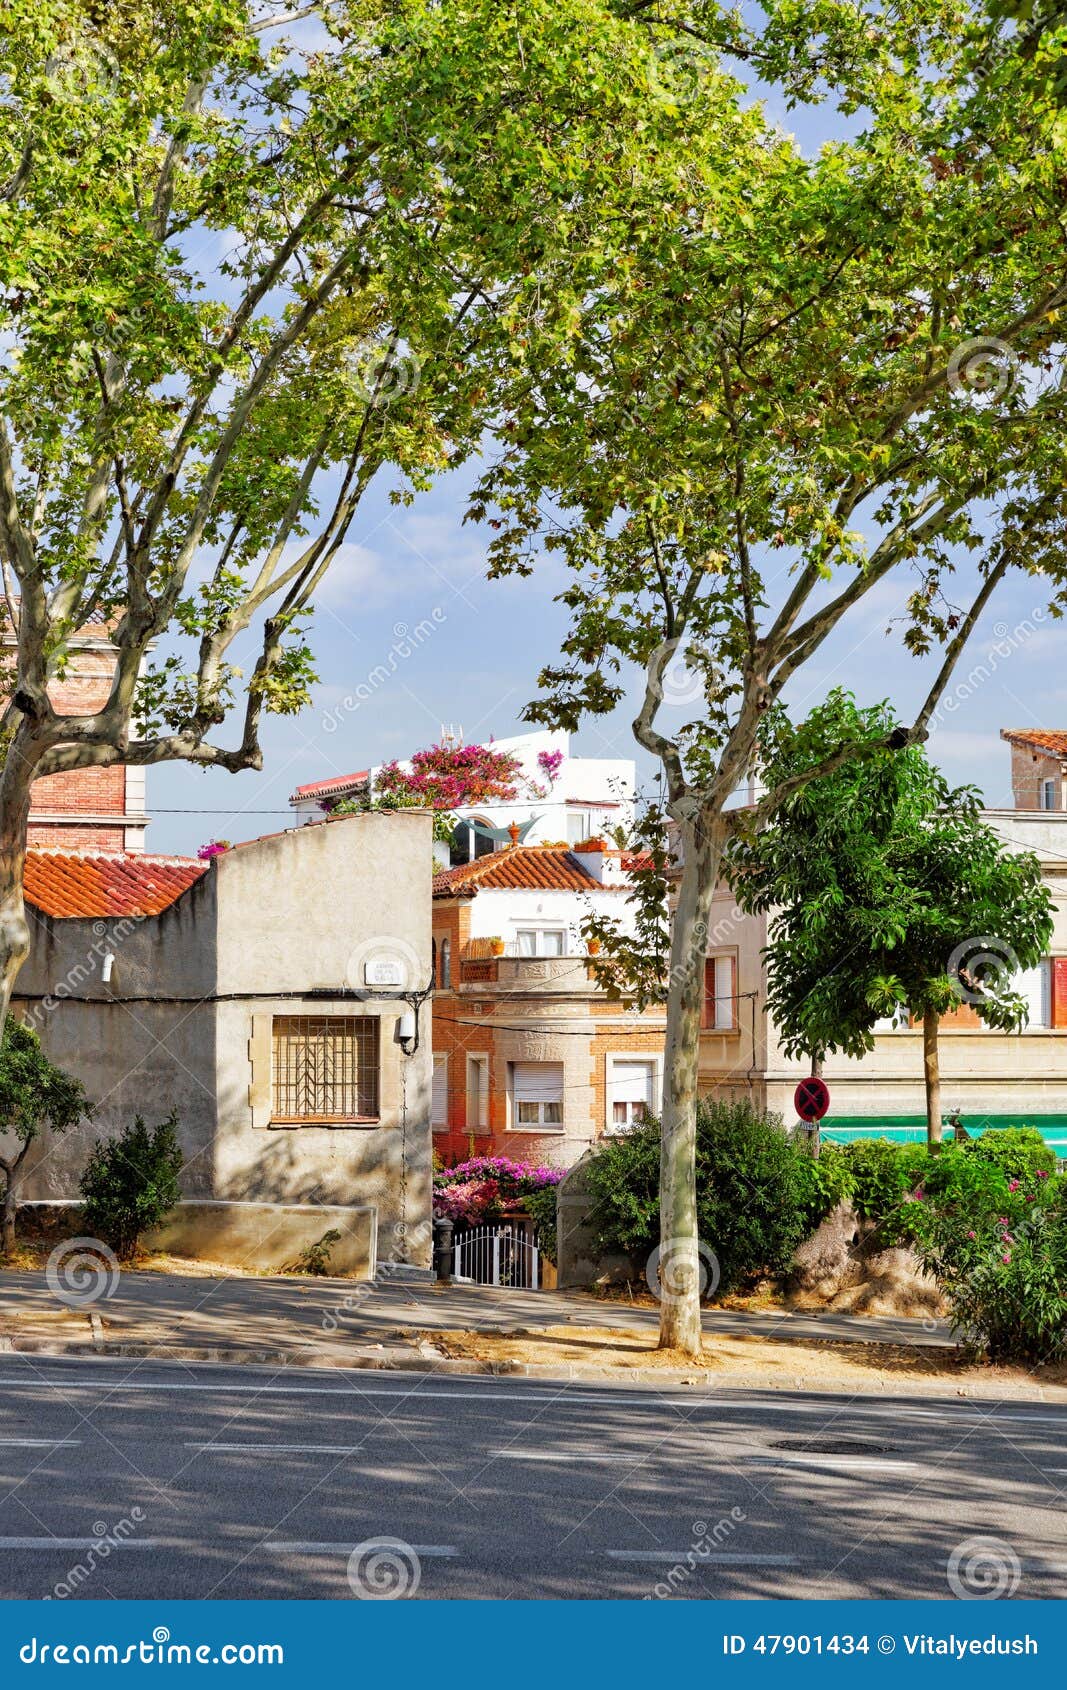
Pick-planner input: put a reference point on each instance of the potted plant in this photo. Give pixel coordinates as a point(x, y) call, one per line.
point(496, 947)
point(593, 947)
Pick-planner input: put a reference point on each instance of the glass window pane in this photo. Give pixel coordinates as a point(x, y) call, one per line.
point(553, 1114)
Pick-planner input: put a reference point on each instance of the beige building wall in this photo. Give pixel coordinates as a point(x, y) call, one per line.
point(285, 926)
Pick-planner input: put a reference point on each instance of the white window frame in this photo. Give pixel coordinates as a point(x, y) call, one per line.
point(655, 1088)
point(575, 834)
point(478, 1059)
point(540, 1124)
point(539, 932)
point(1043, 1020)
point(726, 1002)
point(444, 963)
point(440, 1065)
point(1049, 794)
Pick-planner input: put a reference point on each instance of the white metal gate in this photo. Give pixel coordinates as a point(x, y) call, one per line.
point(497, 1255)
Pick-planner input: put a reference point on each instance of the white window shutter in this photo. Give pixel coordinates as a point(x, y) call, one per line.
point(537, 1082)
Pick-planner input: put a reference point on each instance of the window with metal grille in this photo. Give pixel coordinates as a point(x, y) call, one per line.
point(325, 1068)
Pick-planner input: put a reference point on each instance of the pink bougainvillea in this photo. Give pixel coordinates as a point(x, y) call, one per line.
point(482, 1187)
point(445, 777)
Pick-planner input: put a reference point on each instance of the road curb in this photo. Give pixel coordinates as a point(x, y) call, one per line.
point(429, 1361)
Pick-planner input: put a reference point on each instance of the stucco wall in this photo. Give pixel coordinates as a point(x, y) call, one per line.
point(133, 1058)
point(306, 911)
point(270, 922)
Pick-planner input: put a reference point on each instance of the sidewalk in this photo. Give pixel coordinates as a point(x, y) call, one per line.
point(348, 1323)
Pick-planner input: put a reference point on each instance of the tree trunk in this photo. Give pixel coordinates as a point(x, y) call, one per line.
point(14, 928)
point(7, 1217)
point(679, 1262)
point(932, 1075)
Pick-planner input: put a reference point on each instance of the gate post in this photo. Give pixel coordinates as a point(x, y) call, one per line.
point(443, 1229)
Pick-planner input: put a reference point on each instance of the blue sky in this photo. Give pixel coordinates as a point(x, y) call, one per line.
point(406, 567)
point(482, 644)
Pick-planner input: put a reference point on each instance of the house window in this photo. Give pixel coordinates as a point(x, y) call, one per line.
point(631, 1093)
point(439, 1095)
point(325, 1068)
point(1035, 985)
point(720, 993)
point(579, 826)
point(540, 941)
point(536, 1095)
point(1048, 794)
point(477, 1093)
point(445, 975)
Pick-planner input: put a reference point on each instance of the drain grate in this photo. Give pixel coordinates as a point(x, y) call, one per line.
point(834, 1446)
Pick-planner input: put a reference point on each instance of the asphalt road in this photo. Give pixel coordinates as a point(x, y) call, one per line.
point(140, 1479)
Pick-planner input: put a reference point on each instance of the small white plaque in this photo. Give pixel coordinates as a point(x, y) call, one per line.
point(383, 971)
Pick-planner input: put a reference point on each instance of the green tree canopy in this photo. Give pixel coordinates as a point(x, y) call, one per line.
point(887, 893)
point(816, 373)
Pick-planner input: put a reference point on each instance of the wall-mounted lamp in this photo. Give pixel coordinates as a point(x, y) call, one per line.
point(408, 1032)
point(107, 966)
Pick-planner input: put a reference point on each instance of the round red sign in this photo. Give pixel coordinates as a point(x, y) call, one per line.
point(811, 1099)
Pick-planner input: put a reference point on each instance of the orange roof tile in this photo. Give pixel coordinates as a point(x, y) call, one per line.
point(519, 868)
point(1043, 739)
point(101, 883)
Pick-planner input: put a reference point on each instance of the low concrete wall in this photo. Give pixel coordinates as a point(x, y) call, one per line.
point(577, 1262)
point(270, 1236)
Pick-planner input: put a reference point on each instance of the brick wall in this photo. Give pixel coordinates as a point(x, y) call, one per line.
point(1029, 769)
point(56, 837)
point(463, 1024)
point(82, 688)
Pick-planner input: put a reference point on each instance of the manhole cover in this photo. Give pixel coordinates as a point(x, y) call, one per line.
point(834, 1446)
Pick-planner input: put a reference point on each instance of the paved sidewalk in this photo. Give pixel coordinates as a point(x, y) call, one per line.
point(346, 1323)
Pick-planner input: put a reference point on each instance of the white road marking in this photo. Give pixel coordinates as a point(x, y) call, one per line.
point(670, 1556)
point(77, 1542)
point(561, 1397)
point(425, 1551)
point(553, 1455)
point(280, 1449)
point(38, 1443)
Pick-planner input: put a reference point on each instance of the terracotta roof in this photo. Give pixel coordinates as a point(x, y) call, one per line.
point(323, 788)
point(520, 867)
point(101, 883)
point(1042, 739)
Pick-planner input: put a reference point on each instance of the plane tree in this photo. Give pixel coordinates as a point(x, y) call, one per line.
point(251, 255)
point(816, 379)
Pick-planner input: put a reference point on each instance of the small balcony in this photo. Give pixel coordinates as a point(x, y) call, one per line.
point(518, 975)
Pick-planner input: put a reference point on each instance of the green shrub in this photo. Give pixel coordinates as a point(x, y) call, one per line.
point(315, 1258)
point(1018, 1151)
point(541, 1205)
point(754, 1192)
point(881, 1173)
point(998, 1249)
point(130, 1183)
point(826, 1181)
